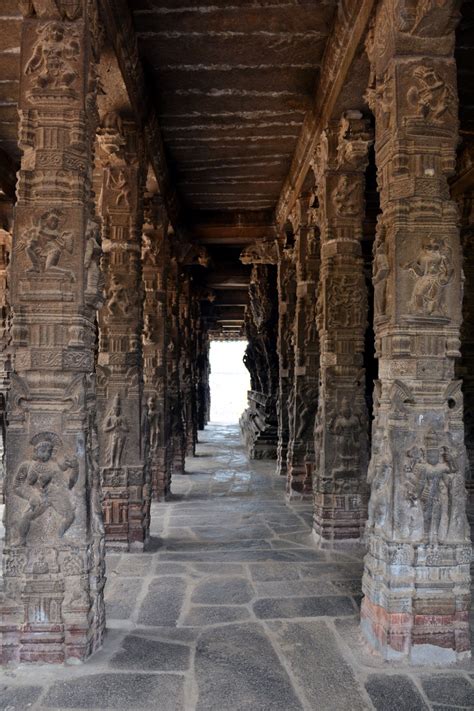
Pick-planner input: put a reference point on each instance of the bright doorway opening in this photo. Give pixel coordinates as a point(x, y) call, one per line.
point(229, 381)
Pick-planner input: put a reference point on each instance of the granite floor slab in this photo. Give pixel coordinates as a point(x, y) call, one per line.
point(232, 608)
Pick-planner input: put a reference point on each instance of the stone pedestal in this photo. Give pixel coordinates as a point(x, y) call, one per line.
point(125, 478)
point(416, 580)
point(341, 433)
point(51, 607)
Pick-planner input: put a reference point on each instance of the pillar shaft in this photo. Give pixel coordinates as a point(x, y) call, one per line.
point(53, 560)
point(304, 396)
point(416, 577)
point(340, 492)
point(286, 316)
point(176, 425)
point(125, 479)
point(155, 258)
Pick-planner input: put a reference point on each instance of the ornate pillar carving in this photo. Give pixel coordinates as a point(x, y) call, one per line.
point(462, 190)
point(176, 425)
point(155, 258)
point(259, 422)
point(125, 478)
point(303, 400)
point(341, 431)
point(286, 316)
point(5, 364)
point(416, 579)
point(52, 608)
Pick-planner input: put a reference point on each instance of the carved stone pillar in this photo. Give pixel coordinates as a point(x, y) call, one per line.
point(5, 364)
point(176, 429)
point(341, 432)
point(462, 190)
point(203, 370)
point(286, 315)
point(259, 422)
point(125, 480)
point(155, 258)
point(303, 399)
point(416, 579)
point(52, 608)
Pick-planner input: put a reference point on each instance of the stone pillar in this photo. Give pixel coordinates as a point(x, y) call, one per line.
point(203, 371)
point(155, 257)
point(52, 608)
point(303, 399)
point(341, 431)
point(5, 364)
point(259, 422)
point(286, 315)
point(125, 479)
point(462, 190)
point(416, 579)
point(176, 429)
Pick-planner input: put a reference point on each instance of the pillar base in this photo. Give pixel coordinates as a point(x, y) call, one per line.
point(356, 544)
point(340, 517)
point(417, 600)
point(404, 636)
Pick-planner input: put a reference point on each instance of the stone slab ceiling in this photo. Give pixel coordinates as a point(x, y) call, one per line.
point(233, 80)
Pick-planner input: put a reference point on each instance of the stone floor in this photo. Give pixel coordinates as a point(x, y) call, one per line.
point(232, 608)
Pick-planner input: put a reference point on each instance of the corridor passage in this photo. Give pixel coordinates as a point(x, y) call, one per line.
point(233, 608)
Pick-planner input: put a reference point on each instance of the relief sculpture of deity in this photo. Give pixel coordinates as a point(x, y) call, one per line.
point(43, 483)
point(44, 244)
point(433, 271)
point(54, 55)
point(116, 426)
point(346, 428)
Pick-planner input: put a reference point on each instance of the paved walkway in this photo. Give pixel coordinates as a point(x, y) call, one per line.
point(233, 609)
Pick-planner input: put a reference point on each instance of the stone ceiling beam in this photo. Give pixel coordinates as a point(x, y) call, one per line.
point(348, 32)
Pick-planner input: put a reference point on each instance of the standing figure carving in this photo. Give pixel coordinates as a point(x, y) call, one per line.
point(117, 428)
point(43, 484)
point(380, 273)
point(346, 427)
point(433, 271)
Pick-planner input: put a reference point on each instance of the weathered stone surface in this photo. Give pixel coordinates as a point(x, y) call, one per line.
point(331, 606)
point(236, 667)
point(142, 654)
point(22, 697)
point(390, 693)
point(118, 691)
point(452, 689)
point(317, 664)
point(201, 615)
point(163, 602)
point(223, 591)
